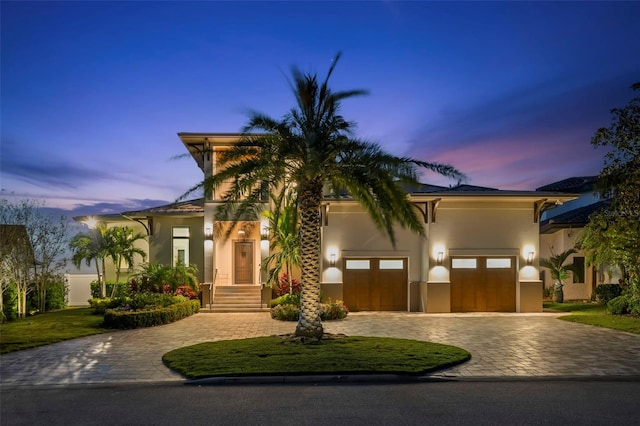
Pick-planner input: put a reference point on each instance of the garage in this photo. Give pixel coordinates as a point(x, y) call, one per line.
point(483, 284)
point(375, 284)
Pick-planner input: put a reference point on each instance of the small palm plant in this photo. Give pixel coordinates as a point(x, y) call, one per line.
point(560, 271)
point(285, 239)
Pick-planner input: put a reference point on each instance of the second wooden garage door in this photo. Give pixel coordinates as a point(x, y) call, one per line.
point(483, 284)
point(375, 284)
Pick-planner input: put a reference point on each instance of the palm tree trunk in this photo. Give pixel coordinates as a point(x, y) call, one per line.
point(103, 283)
point(309, 324)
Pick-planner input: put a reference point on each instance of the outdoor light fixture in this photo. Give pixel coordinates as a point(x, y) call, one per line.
point(208, 233)
point(332, 260)
point(242, 234)
point(439, 258)
point(530, 258)
point(264, 233)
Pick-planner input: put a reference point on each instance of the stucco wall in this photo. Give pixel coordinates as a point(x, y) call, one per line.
point(350, 232)
point(492, 228)
point(161, 241)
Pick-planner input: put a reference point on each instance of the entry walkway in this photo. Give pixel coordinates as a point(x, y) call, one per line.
point(504, 345)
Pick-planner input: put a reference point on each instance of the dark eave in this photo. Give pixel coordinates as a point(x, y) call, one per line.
point(576, 218)
point(182, 208)
point(576, 184)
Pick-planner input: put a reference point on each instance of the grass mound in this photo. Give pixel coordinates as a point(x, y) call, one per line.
point(281, 355)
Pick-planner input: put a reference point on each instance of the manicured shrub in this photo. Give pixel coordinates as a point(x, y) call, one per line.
point(56, 296)
point(285, 312)
point(333, 310)
point(100, 305)
point(123, 289)
point(618, 305)
point(291, 312)
point(286, 299)
point(123, 319)
point(9, 304)
point(606, 292)
point(141, 301)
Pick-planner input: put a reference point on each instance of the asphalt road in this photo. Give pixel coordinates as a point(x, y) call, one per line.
point(523, 402)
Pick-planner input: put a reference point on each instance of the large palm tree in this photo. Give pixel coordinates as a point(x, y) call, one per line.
point(313, 148)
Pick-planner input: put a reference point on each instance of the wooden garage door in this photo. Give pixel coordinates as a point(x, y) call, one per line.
point(375, 284)
point(483, 284)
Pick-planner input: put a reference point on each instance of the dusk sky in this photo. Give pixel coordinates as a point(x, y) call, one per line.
point(510, 93)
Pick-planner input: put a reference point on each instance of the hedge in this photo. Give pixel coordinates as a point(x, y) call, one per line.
point(114, 318)
point(607, 292)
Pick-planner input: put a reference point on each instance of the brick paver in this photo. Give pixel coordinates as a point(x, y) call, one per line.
point(511, 345)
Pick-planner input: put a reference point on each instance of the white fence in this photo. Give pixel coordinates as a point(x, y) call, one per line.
point(79, 288)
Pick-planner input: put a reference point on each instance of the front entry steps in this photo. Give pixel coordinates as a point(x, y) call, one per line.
point(236, 298)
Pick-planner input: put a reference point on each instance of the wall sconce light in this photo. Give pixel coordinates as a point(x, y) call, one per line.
point(242, 234)
point(208, 233)
point(332, 260)
point(264, 233)
point(530, 258)
point(439, 258)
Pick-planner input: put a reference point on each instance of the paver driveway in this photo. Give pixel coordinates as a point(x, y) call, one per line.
point(500, 344)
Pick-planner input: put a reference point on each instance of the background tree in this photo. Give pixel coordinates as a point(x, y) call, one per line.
point(121, 248)
point(16, 263)
point(48, 238)
point(91, 246)
point(619, 225)
point(310, 148)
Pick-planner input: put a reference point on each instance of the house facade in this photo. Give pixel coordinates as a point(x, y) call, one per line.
point(560, 228)
point(479, 251)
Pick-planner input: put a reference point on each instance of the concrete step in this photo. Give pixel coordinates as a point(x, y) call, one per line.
point(231, 309)
point(236, 298)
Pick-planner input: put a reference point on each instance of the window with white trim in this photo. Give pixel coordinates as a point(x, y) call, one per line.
point(464, 263)
point(180, 245)
point(358, 264)
point(498, 263)
point(392, 264)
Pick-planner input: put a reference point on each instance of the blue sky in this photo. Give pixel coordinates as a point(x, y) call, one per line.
point(94, 93)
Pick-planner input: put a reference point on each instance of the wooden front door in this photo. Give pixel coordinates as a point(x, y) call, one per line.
point(243, 262)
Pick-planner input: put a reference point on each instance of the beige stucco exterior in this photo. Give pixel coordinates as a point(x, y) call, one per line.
point(461, 225)
point(457, 222)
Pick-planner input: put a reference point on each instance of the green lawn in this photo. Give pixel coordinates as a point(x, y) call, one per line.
point(593, 314)
point(52, 327)
point(274, 355)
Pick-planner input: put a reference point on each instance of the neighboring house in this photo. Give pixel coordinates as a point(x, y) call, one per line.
point(559, 228)
point(480, 251)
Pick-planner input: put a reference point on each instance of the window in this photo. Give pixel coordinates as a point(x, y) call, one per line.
point(180, 244)
point(578, 275)
point(464, 263)
point(493, 263)
point(392, 264)
point(358, 264)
